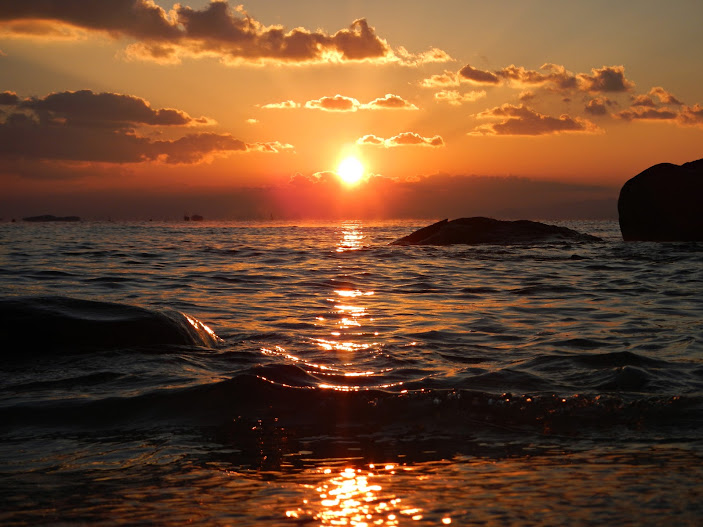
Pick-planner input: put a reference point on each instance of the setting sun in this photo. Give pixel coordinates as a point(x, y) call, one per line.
point(350, 170)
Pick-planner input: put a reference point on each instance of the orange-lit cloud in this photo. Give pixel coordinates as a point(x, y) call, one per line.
point(455, 98)
point(217, 30)
point(338, 103)
point(447, 79)
point(664, 96)
point(285, 105)
point(402, 139)
point(390, 102)
point(84, 126)
point(521, 120)
point(342, 103)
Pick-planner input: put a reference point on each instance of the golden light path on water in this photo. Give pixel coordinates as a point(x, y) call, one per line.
point(357, 497)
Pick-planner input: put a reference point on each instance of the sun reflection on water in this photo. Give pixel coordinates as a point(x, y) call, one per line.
point(356, 497)
point(352, 237)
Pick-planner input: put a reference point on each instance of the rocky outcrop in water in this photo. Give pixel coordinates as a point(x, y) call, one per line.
point(479, 230)
point(663, 203)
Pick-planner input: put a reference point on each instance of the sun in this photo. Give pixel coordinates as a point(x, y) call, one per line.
point(350, 170)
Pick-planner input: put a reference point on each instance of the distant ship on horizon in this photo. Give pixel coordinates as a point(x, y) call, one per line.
point(194, 217)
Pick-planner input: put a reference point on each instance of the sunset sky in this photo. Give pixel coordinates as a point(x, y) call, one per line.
point(138, 109)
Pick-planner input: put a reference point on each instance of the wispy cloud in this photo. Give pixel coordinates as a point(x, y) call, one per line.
point(217, 30)
point(455, 98)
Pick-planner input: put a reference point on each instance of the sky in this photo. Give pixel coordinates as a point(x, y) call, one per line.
point(136, 109)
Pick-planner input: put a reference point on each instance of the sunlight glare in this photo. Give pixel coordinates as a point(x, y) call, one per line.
point(350, 170)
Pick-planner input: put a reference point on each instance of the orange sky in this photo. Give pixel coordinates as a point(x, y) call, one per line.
point(133, 108)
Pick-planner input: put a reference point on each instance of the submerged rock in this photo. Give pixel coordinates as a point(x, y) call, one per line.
point(50, 324)
point(488, 230)
point(663, 203)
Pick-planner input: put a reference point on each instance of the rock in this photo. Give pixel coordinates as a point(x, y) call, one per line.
point(46, 325)
point(488, 230)
point(663, 203)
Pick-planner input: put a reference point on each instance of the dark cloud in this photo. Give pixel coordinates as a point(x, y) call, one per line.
point(402, 139)
point(103, 109)
point(691, 115)
point(216, 30)
point(552, 77)
point(477, 76)
point(647, 114)
point(521, 120)
point(598, 106)
point(605, 79)
point(100, 128)
point(8, 98)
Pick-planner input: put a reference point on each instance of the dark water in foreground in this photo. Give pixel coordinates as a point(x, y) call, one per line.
point(312, 375)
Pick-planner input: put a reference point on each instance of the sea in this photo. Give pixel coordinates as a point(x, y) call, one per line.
point(310, 373)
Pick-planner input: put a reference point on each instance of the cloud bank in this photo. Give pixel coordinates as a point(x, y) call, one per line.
point(102, 127)
point(217, 30)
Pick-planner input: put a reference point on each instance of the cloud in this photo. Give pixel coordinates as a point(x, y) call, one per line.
point(338, 103)
point(647, 114)
point(216, 30)
point(285, 105)
point(442, 80)
point(390, 102)
point(8, 98)
point(598, 106)
point(92, 127)
point(455, 98)
point(342, 103)
point(521, 120)
point(643, 100)
point(664, 96)
point(104, 109)
point(402, 139)
point(477, 76)
point(691, 115)
point(554, 77)
point(605, 79)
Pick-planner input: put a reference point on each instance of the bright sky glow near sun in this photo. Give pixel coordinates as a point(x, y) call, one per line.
point(136, 109)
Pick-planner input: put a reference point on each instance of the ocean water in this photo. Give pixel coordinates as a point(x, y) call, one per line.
point(311, 374)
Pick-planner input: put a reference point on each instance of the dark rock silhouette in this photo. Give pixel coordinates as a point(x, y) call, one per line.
point(49, 217)
point(663, 203)
point(46, 324)
point(488, 230)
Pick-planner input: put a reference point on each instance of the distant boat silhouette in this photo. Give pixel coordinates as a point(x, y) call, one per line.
point(186, 218)
point(197, 217)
